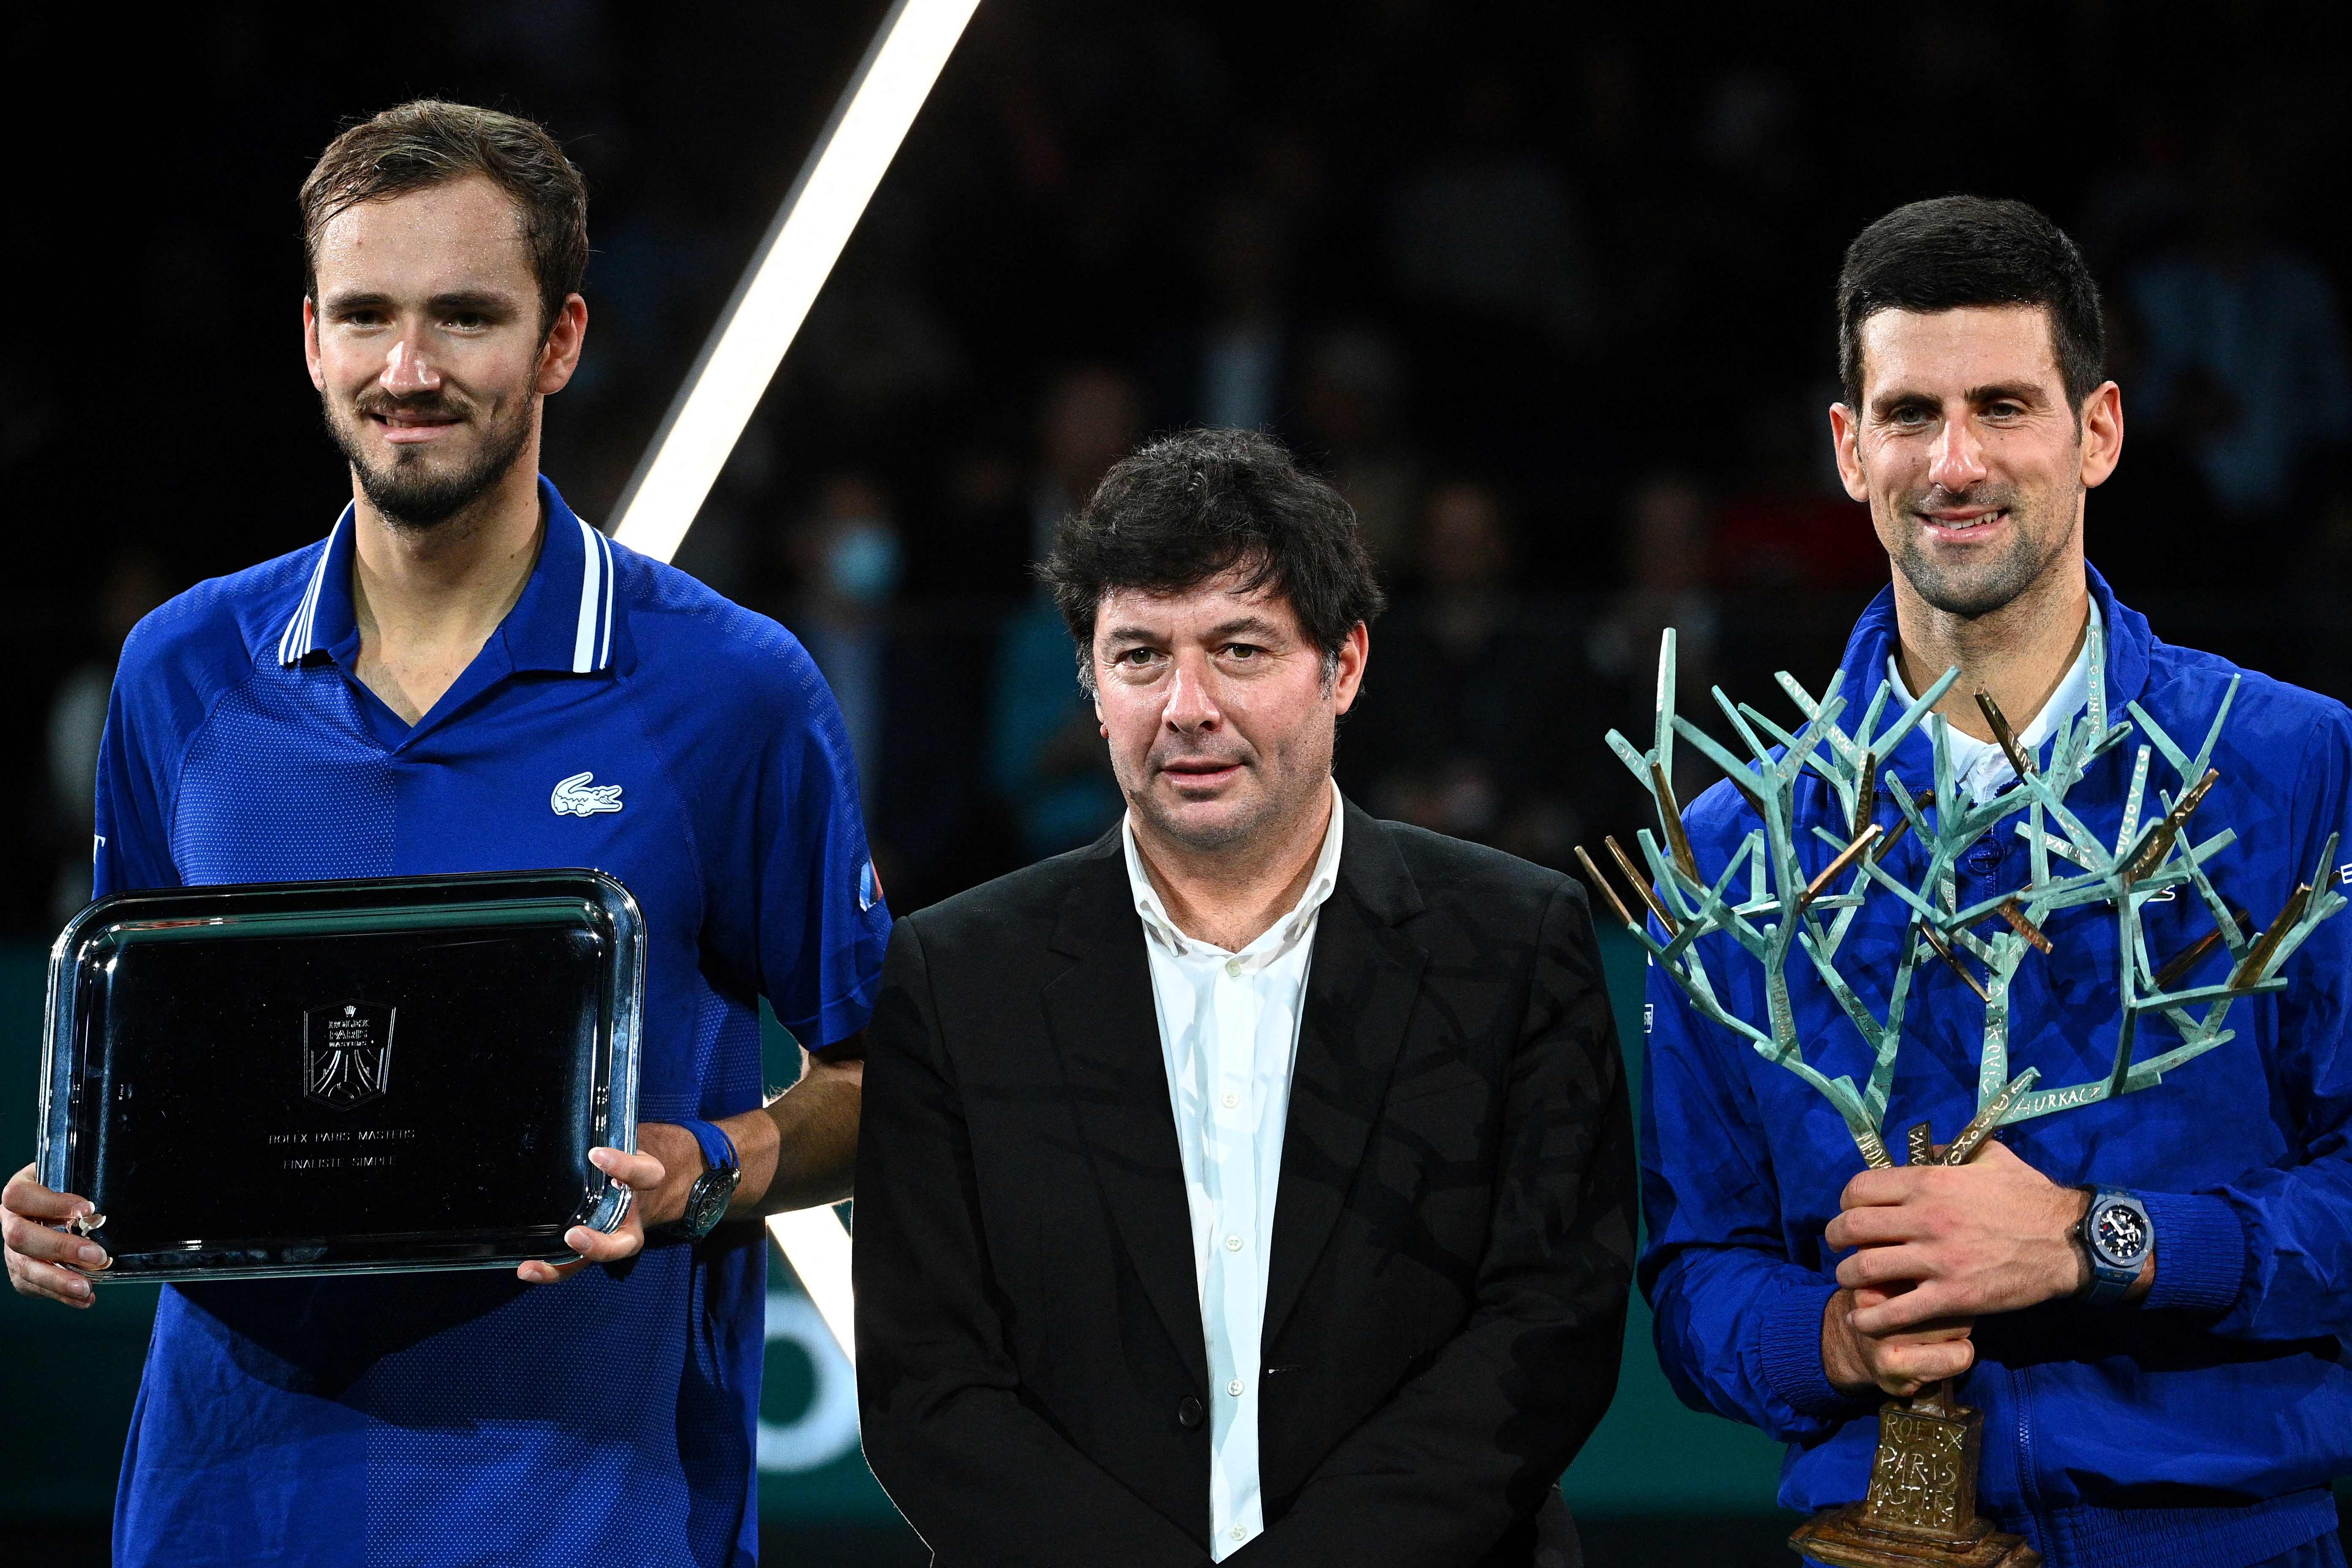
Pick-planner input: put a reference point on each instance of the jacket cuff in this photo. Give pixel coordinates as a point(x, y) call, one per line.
point(2200, 1252)
point(1792, 1352)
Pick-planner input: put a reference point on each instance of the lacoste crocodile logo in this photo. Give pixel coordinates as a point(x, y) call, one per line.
point(575, 797)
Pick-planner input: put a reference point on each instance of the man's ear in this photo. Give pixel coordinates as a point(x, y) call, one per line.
point(2102, 424)
point(1845, 441)
point(310, 342)
point(1355, 654)
point(558, 356)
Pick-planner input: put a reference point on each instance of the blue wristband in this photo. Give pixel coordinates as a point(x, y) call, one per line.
point(718, 1149)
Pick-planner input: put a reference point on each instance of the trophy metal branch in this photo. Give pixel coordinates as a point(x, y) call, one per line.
point(1921, 1503)
point(1786, 913)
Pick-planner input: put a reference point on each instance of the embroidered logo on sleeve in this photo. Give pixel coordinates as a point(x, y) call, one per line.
point(576, 797)
point(869, 886)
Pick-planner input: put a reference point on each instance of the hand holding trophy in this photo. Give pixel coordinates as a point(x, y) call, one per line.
point(1921, 1503)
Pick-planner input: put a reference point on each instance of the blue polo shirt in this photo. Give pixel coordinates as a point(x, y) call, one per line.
point(623, 717)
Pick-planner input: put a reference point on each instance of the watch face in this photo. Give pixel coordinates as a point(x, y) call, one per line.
point(706, 1201)
point(2120, 1232)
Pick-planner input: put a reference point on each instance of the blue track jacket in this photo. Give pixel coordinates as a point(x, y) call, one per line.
point(2200, 1427)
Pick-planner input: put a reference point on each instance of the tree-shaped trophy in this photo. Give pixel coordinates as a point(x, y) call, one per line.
point(1921, 1503)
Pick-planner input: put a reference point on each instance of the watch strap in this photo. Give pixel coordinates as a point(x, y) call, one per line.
point(707, 1199)
point(718, 1149)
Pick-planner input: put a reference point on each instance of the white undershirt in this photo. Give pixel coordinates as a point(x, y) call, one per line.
point(1228, 1035)
point(1981, 766)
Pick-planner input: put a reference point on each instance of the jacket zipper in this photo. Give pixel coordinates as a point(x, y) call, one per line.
point(2029, 1483)
point(1985, 861)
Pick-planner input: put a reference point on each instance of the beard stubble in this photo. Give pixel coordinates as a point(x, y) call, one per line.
point(1993, 584)
point(407, 492)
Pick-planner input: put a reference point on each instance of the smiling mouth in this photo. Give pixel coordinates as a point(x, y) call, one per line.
point(1961, 525)
point(406, 428)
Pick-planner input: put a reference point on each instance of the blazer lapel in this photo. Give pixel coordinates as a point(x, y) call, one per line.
point(1108, 1033)
point(1360, 989)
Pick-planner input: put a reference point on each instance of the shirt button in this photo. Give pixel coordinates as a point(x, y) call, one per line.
point(1234, 1388)
point(1241, 1533)
point(1232, 1100)
point(1233, 1244)
point(1233, 967)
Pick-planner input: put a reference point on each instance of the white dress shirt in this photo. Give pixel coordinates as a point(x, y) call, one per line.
point(1228, 1034)
point(1982, 766)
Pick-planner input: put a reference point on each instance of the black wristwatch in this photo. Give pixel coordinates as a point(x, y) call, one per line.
point(2115, 1236)
point(706, 1203)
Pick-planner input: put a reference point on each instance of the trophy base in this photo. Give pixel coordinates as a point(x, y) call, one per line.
point(1837, 1536)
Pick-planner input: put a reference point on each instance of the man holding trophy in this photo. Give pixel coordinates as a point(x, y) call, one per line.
point(2116, 1317)
point(465, 678)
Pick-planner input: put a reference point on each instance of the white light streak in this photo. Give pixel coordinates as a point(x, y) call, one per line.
point(786, 272)
point(818, 1247)
point(739, 360)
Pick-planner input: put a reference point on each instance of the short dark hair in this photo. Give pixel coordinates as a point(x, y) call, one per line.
point(428, 142)
point(1956, 251)
point(1190, 506)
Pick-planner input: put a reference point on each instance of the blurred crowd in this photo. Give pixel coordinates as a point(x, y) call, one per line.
point(1548, 303)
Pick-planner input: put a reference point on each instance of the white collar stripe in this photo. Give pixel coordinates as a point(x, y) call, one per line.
point(592, 600)
point(295, 641)
point(291, 646)
point(612, 591)
point(311, 604)
point(592, 643)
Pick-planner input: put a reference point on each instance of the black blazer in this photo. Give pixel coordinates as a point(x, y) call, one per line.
point(1452, 1238)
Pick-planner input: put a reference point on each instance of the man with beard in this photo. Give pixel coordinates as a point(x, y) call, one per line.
point(463, 675)
point(2187, 1404)
point(1256, 1183)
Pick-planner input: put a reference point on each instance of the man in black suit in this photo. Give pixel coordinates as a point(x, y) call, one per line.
point(1255, 1184)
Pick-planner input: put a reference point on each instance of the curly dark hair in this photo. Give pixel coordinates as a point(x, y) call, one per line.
point(1956, 251)
point(1193, 505)
point(428, 142)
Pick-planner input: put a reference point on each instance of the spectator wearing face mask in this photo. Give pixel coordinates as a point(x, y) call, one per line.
point(848, 561)
point(848, 558)
point(912, 683)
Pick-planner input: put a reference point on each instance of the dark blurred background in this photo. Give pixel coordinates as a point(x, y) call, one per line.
point(1544, 289)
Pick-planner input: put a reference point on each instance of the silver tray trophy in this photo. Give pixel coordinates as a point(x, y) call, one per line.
point(354, 1077)
point(1921, 1505)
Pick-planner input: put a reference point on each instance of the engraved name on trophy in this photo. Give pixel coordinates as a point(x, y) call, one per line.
point(1921, 1503)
